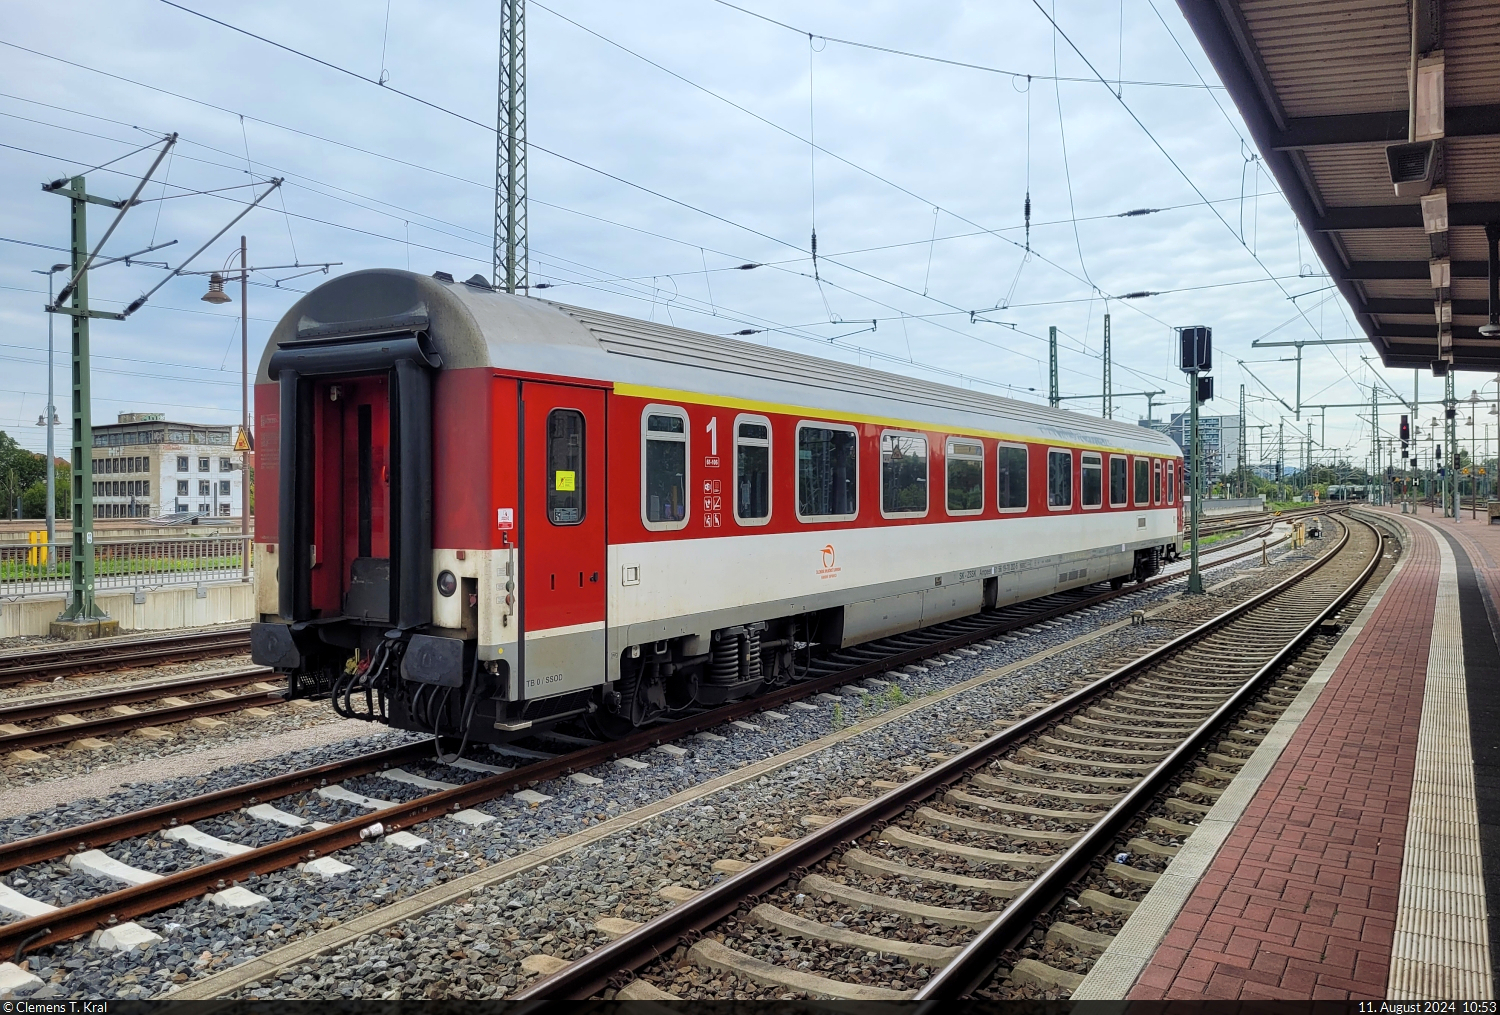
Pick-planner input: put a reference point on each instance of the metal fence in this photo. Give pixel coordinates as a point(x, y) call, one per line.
point(136, 564)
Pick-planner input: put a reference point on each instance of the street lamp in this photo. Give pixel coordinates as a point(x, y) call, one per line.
point(50, 418)
point(217, 295)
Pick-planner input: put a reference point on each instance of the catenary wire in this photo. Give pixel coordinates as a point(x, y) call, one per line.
point(938, 59)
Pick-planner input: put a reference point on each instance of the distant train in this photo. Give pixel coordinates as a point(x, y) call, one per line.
point(478, 513)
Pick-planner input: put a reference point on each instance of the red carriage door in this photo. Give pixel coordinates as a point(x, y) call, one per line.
point(563, 570)
point(351, 548)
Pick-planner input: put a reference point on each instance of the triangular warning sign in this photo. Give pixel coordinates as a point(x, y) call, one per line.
point(242, 441)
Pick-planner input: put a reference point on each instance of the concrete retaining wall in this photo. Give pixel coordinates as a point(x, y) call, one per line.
point(1233, 506)
point(167, 609)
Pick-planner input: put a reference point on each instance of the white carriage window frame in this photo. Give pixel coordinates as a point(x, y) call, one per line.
point(813, 424)
point(686, 439)
point(1171, 481)
point(1083, 464)
point(1156, 478)
point(769, 445)
point(926, 472)
point(1025, 479)
point(950, 456)
point(1125, 501)
point(1072, 483)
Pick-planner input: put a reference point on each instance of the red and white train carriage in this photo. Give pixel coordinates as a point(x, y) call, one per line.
point(478, 512)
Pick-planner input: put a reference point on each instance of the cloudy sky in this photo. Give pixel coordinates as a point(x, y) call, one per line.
point(670, 144)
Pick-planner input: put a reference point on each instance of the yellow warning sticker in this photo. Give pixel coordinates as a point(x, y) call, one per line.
point(565, 482)
point(242, 441)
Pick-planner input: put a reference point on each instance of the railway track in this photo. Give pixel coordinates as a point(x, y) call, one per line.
point(944, 876)
point(63, 711)
point(40, 664)
point(36, 923)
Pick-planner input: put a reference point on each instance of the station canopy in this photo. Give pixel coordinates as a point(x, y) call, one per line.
point(1380, 120)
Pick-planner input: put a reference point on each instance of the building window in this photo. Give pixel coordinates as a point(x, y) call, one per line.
point(1059, 479)
point(664, 466)
point(223, 488)
point(965, 475)
point(203, 465)
point(224, 509)
point(1010, 468)
point(1119, 473)
point(182, 463)
point(752, 470)
point(226, 465)
point(145, 488)
point(1142, 481)
point(827, 472)
point(903, 474)
point(203, 488)
point(1093, 480)
point(203, 509)
point(182, 488)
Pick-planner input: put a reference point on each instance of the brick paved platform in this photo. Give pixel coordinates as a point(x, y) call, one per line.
point(1302, 899)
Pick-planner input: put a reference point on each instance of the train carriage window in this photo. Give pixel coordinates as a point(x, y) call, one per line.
point(965, 474)
point(1010, 470)
point(827, 472)
point(1059, 479)
point(752, 470)
point(1092, 480)
point(1118, 475)
point(1142, 481)
point(1171, 482)
point(1156, 482)
point(565, 467)
point(903, 475)
point(664, 468)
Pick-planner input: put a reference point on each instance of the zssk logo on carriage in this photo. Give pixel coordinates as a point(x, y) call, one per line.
point(829, 568)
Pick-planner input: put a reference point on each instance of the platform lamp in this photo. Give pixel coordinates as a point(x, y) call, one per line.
point(49, 419)
point(1491, 328)
point(217, 296)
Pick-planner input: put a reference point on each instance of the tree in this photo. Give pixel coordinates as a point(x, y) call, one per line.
point(34, 497)
point(19, 469)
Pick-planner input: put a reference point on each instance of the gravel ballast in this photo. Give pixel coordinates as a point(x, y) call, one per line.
point(474, 949)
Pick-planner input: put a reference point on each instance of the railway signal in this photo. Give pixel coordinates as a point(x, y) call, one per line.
point(1196, 359)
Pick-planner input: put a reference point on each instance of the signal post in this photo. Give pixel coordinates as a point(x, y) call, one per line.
point(1197, 360)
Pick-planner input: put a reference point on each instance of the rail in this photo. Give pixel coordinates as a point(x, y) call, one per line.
point(79, 918)
point(592, 972)
point(39, 569)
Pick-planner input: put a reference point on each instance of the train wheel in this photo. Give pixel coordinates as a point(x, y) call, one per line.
point(1117, 583)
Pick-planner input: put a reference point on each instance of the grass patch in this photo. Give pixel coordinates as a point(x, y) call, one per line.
point(1219, 537)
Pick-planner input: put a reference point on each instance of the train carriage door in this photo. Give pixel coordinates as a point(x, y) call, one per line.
point(351, 545)
point(563, 538)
